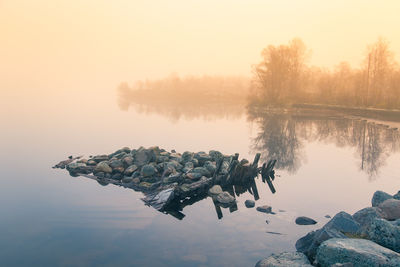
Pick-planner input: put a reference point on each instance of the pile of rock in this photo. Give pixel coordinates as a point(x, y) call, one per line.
point(370, 237)
point(164, 175)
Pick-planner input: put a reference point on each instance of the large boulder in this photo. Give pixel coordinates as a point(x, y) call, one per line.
point(359, 252)
point(379, 197)
point(144, 156)
point(293, 259)
point(341, 225)
point(366, 216)
point(390, 209)
point(385, 234)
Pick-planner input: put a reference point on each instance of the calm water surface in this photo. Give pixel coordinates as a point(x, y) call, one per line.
point(325, 164)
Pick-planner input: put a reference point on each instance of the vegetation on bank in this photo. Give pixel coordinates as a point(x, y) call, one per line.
point(283, 77)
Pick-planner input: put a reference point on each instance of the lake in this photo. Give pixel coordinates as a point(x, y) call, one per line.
point(326, 163)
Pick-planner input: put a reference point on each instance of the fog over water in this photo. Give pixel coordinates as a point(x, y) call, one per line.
point(90, 77)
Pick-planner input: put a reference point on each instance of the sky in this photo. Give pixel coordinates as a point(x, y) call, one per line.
point(89, 45)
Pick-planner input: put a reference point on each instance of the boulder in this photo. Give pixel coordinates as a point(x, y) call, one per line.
point(379, 197)
point(390, 209)
point(265, 208)
point(215, 190)
point(302, 220)
point(215, 155)
point(249, 203)
point(295, 259)
point(148, 170)
point(115, 163)
point(366, 216)
point(128, 161)
point(359, 252)
point(341, 225)
point(225, 198)
point(385, 234)
point(103, 167)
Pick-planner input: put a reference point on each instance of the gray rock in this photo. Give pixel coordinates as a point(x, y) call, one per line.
point(210, 166)
point(215, 155)
point(215, 190)
point(116, 176)
point(249, 203)
point(193, 176)
point(339, 226)
point(366, 216)
point(203, 171)
point(202, 157)
point(359, 252)
point(344, 223)
point(126, 179)
point(302, 220)
point(397, 195)
point(100, 158)
point(390, 209)
point(79, 168)
point(148, 170)
point(136, 180)
point(265, 208)
point(224, 167)
point(385, 234)
point(142, 157)
point(225, 198)
point(128, 161)
point(285, 259)
point(103, 167)
point(115, 163)
point(379, 197)
point(186, 156)
point(130, 170)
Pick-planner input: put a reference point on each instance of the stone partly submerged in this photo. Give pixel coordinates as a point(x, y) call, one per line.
point(170, 180)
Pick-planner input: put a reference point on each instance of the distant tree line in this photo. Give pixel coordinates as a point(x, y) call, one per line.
point(283, 77)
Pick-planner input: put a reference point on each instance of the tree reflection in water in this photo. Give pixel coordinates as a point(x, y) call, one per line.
point(281, 135)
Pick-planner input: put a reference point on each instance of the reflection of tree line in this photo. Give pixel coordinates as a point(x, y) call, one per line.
point(207, 97)
point(281, 136)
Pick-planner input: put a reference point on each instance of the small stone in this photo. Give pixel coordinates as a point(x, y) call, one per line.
point(136, 180)
point(249, 203)
point(203, 171)
point(215, 190)
point(328, 216)
point(127, 179)
point(265, 208)
point(225, 198)
point(130, 170)
point(305, 221)
point(148, 170)
point(116, 176)
point(103, 167)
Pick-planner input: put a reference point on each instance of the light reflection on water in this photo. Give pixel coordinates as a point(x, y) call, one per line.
point(325, 164)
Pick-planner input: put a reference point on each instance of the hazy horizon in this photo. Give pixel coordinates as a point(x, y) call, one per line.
point(53, 47)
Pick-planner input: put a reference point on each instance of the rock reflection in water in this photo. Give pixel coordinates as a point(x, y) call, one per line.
point(282, 135)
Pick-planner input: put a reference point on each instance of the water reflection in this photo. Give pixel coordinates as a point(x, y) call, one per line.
point(283, 135)
point(184, 105)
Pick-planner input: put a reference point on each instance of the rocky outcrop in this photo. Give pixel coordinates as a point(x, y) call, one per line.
point(359, 252)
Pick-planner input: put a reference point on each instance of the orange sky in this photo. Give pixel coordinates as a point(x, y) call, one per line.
point(59, 45)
